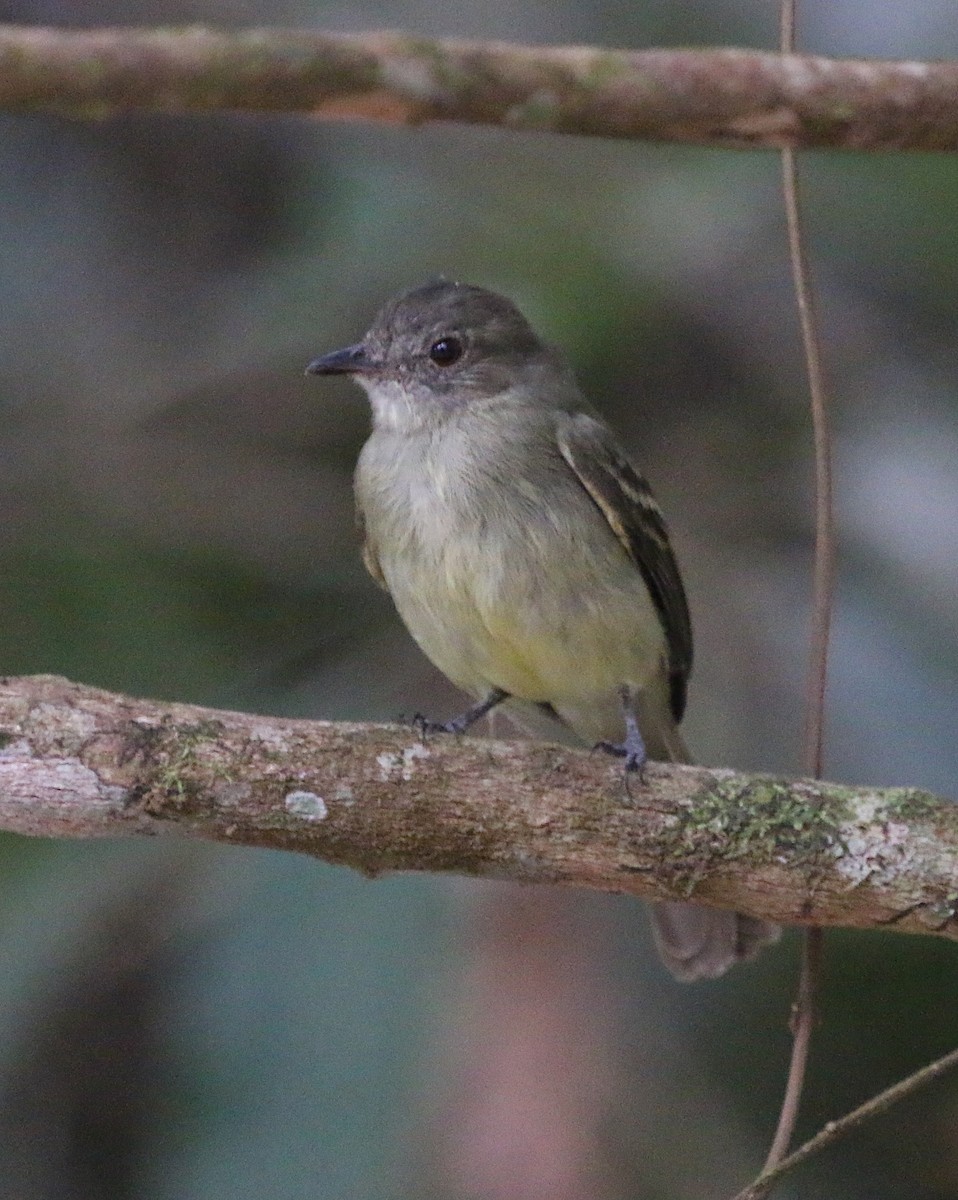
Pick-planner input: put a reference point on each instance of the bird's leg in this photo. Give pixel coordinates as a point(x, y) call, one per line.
point(461, 723)
point(633, 748)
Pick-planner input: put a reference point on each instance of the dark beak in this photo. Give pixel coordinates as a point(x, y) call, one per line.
point(340, 362)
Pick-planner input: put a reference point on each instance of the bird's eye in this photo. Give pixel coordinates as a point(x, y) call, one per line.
point(446, 351)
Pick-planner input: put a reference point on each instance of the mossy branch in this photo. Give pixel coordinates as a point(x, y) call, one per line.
point(716, 97)
point(79, 762)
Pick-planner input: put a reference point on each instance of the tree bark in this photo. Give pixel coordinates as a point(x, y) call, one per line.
point(714, 97)
point(79, 762)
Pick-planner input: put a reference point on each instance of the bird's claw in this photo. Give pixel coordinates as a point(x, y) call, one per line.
point(423, 725)
point(635, 760)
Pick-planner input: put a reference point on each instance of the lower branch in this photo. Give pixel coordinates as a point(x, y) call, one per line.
point(79, 762)
point(835, 1130)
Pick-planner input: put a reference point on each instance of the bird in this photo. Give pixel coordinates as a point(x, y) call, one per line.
point(524, 552)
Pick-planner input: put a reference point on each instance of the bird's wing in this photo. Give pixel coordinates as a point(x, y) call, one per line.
point(370, 560)
point(625, 500)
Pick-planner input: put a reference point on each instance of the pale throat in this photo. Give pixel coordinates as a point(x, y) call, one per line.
point(394, 408)
point(400, 409)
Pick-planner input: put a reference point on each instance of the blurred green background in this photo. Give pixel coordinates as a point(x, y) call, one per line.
point(184, 1022)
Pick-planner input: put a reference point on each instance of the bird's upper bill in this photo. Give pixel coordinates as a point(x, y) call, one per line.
point(352, 360)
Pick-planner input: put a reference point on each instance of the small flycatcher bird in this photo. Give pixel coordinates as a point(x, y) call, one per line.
point(525, 554)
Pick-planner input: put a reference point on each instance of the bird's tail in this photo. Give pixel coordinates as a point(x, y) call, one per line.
point(702, 943)
point(696, 942)
point(693, 942)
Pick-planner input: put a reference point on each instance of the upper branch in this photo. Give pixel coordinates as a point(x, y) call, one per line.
point(720, 97)
point(79, 762)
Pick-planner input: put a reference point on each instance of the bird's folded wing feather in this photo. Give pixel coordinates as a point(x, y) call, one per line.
point(625, 500)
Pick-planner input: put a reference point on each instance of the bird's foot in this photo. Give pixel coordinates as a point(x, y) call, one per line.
point(635, 759)
point(632, 750)
point(423, 725)
point(461, 723)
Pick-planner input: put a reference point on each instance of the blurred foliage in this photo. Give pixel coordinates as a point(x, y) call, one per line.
point(177, 522)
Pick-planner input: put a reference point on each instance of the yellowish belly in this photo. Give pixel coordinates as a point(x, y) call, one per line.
point(557, 632)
